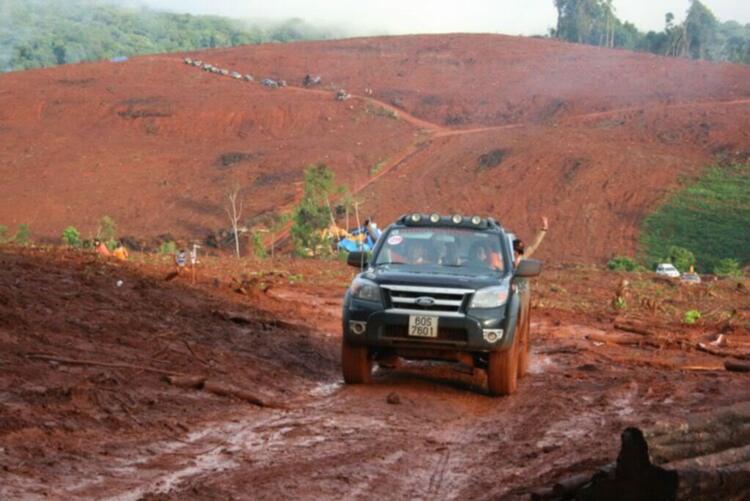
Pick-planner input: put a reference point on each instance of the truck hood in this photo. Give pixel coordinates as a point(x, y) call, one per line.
point(432, 277)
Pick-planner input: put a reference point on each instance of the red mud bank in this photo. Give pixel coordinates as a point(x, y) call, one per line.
point(87, 409)
point(504, 126)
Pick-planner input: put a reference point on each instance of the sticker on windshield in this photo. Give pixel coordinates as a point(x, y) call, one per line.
point(395, 240)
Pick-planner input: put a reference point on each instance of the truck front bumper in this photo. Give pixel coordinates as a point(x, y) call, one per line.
point(368, 324)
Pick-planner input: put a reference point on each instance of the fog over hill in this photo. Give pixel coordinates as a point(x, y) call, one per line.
point(532, 17)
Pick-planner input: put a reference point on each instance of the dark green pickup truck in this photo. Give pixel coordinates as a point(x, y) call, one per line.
point(440, 288)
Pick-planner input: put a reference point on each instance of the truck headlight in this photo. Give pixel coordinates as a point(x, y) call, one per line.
point(490, 297)
point(365, 290)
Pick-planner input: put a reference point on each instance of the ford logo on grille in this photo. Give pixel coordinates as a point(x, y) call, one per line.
point(425, 301)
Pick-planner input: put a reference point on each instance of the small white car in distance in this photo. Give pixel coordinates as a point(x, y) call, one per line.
point(667, 270)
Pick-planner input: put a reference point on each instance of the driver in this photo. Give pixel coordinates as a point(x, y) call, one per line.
point(480, 255)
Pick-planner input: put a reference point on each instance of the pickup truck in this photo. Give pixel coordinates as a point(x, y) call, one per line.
point(439, 287)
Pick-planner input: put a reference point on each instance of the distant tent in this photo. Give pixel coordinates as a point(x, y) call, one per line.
point(118, 59)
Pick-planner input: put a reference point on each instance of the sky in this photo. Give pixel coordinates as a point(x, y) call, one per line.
point(513, 17)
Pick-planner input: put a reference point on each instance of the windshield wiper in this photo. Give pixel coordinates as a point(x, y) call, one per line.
point(388, 262)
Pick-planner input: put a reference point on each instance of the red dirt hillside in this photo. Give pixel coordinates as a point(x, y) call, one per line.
point(508, 126)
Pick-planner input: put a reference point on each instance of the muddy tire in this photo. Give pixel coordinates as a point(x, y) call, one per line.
point(523, 345)
point(502, 371)
point(356, 363)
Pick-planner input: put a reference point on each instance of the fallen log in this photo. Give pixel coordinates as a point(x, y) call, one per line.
point(701, 443)
point(722, 352)
point(622, 340)
point(225, 390)
point(721, 417)
point(236, 317)
point(643, 472)
point(188, 382)
point(634, 326)
point(726, 483)
point(737, 366)
point(221, 389)
point(659, 364)
point(568, 485)
point(73, 361)
point(727, 457)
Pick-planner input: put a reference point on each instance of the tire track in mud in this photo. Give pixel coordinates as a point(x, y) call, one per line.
point(444, 440)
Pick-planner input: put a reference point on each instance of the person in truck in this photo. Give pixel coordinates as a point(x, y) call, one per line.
point(520, 251)
point(480, 255)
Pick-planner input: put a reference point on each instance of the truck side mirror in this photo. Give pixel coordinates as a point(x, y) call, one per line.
point(528, 268)
point(358, 259)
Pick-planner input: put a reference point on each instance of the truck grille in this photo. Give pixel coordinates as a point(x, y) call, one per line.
point(416, 299)
point(444, 334)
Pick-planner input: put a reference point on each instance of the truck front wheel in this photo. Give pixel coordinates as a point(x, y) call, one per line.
point(356, 363)
point(502, 371)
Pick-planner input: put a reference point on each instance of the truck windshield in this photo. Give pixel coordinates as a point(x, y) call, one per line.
point(437, 247)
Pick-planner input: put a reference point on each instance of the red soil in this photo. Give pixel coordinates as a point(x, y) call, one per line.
point(594, 138)
point(119, 429)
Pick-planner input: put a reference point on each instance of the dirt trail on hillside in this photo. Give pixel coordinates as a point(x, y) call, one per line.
point(153, 142)
point(398, 113)
point(437, 130)
point(420, 431)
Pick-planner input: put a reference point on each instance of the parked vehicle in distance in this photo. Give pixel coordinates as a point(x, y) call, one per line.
point(691, 278)
point(667, 270)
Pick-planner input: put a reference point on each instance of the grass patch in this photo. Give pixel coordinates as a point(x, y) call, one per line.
point(710, 217)
point(377, 167)
point(381, 111)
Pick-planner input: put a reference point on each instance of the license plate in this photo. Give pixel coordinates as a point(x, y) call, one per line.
point(423, 326)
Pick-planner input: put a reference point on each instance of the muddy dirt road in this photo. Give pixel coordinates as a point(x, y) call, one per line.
point(421, 431)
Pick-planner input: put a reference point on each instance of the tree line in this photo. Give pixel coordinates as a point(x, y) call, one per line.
point(699, 36)
point(41, 33)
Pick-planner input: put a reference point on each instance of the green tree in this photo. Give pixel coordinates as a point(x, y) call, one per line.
point(622, 263)
point(681, 257)
point(259, 249)
point(728, 267)
point(3, 234)
point(107, 231)
point(71, 237)
point(313, 214)
point(23, 235)
point(581, 21)
point(37, 33)
point(168, 247)
point(700, 35)
point(701, 29)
